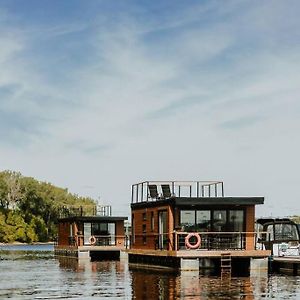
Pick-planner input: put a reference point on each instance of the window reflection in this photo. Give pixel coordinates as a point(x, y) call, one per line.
point(203, 220)
point(236, 220)
point(187, 220)
point(219, 220)
point(285, 232)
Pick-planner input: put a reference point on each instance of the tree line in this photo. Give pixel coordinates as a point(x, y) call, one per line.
point(29, 208)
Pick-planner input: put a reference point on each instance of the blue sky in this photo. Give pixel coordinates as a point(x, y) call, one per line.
point(98, 95)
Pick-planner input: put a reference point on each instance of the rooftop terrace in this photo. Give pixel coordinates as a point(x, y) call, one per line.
point(159, 190)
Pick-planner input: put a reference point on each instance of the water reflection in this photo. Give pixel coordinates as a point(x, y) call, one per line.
point(148, 284)
point(38, 275)
point(100, 279)
point(190, 285)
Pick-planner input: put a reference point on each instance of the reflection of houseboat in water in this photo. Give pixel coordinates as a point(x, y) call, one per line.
point(189, 225)
point(95, 236)
point(280, 235)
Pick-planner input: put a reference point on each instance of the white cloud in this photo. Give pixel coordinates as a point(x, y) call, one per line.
point(207, 94)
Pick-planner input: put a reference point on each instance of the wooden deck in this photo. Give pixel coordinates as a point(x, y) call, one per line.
point(100, 248)
point(201, 253)
point(87, 251)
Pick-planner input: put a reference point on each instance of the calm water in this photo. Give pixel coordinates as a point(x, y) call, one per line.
point(30, 274)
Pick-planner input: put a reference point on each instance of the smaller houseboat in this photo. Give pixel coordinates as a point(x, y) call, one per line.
point(280, 235)
point(193, 225)
point(98, 236)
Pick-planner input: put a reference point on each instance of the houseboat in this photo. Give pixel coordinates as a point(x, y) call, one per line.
point(191, 225)
point(98, 236)
point(279, 235)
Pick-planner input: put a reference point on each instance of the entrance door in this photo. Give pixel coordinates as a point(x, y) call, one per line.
point(87, 232)
point(162, 230)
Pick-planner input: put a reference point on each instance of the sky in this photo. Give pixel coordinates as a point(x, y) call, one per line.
point(98, 95)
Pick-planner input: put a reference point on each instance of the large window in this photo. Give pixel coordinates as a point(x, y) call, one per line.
point(212, 220)
point(236, 220)
point(104, 232)
point(219, 220)
point(203, 220)
point(285, 232)
point(187, 220)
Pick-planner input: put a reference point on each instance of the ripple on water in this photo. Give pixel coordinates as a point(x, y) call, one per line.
point(38, 275)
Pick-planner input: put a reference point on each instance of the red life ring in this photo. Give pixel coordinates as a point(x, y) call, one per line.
point(92, 240)
point(192, 246)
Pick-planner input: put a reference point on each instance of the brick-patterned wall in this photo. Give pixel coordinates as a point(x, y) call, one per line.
point(150, 235)
point(172, 222)
point(63, 233)
point(250, 219)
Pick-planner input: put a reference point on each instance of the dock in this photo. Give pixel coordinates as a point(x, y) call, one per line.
point(286, 265)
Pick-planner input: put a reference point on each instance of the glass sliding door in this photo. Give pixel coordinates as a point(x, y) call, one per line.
point(203, 220)
point(236, 224)
point(112, 233)
point(162, 230)
point(87, 232)
point(219, 220)
point(236, 220)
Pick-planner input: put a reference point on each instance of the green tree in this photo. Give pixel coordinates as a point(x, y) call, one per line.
point(29, 209)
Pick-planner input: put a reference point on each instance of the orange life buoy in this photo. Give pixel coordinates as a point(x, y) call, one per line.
point(192, 246)
point(92, 240)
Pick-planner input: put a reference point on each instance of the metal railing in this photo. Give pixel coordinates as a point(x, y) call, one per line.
point(208, 240)
point(99, 240)
point(159, 190)
point(213, 240)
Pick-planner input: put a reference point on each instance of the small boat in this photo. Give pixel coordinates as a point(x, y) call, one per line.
point(280, 235)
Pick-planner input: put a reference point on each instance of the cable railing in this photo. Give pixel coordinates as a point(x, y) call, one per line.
point(180, 241)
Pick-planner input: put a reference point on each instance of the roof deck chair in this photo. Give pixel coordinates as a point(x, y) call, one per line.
point(153, 191)
point(166, 191)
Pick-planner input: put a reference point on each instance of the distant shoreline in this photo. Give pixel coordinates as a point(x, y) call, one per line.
point(24, 244)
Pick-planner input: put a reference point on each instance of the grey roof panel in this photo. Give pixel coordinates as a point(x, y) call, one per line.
point(220, 201)
point(92, 219)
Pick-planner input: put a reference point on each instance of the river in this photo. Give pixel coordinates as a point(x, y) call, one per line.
point(32, 272)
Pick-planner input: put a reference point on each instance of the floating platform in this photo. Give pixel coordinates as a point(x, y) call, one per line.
point(89, 252)
point(241, 261)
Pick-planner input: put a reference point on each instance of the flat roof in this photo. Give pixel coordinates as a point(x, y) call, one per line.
point(92, 219)
point(202, 201)
point(220, 201)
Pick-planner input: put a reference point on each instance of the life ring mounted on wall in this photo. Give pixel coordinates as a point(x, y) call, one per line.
point(92, 240)
point(188, 244)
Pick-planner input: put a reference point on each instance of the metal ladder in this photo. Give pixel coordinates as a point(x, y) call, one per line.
point(225, 264)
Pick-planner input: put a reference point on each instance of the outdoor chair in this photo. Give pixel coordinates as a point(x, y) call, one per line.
point(166, 191)
point(153, 191)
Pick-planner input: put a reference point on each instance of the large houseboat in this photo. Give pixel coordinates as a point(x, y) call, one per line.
point(192, 224)
point(96, 236)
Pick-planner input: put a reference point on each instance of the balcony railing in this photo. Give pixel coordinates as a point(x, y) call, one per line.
point(178, 240)
point(99, 240)
point(211, 240)
point(159, 190)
